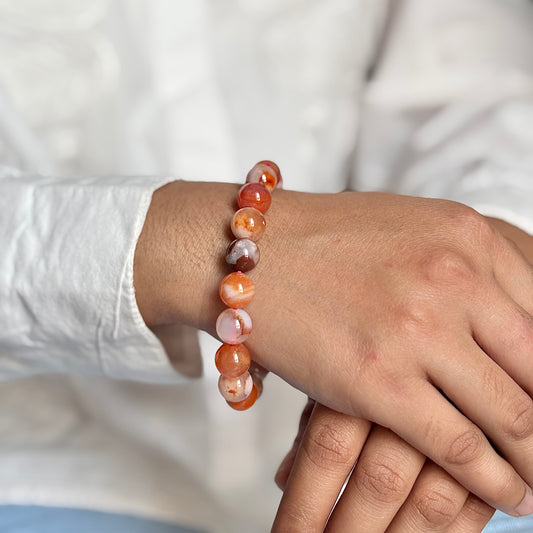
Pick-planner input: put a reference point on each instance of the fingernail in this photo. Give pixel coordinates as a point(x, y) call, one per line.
point(526, 505)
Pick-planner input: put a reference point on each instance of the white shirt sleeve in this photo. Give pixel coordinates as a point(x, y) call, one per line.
point(449, 111)
point(67, 301)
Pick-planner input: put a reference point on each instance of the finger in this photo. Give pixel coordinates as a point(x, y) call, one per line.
point(286, 464)
point(433, 505)
point(491, 399)
point(504, 330)
point(474, 516)
point(329, 449)
point(379, 484)
point(451, 440)
point(519, 285)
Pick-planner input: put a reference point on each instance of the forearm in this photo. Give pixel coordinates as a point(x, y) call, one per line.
point(178, 255)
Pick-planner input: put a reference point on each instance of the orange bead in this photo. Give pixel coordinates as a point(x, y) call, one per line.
point(236, 389)
point(232, 360)
point(248, 223)
point(263, 174)
point(259, 386)
point(254, 195)
point(236, 290)
point(246, 403)
point(274, 168)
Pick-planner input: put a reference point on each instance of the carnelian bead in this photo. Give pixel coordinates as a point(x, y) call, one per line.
point(259, 385)
point(276, 169)
point(232, 360)
point(236, 389)
point(254, 195)
point(263, 174)
point(258, 374)
point(248, 223)
point(236, 290)
point(233, 326)
point(247, 402)
point(242, 254)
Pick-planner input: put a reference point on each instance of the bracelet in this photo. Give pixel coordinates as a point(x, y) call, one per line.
point(241, 381)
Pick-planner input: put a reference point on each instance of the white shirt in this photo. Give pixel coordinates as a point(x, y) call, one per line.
point(201, 89)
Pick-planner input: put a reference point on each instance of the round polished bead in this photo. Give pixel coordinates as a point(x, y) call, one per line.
point(236, 389)
point(247, 402)
point(233, 326)
point(248, 223)
point(274, 168)
point(259, 386)
point(258, 372)
point(242, 254)
point(236, 290)
point(232, 360)
point(263, 174)
point(254, 195)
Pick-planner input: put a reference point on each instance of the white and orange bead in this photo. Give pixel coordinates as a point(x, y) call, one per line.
point(233, 326)
point(249, 400)
point(265, 172)
point(242, 254)
point(236, 290)
point(248, 223)
point(236, 389)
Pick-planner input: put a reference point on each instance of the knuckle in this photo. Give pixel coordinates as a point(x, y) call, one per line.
point(520, 332)
point(506, 487)
point(382, 479)
point(524, 330)
point(471, 225)
point(447, 266)
point(416, 317)
point(507, 248)
point(493, 383)
point(519, 422)
point(436, 508)
point(465, 448)
point(294, 517)
point(327, 446)
point(476, 510)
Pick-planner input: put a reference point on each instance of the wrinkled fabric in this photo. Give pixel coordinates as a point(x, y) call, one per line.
point(448, 112)
point(419, 97)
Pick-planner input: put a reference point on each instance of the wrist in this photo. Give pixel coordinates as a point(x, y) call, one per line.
point(179, 259)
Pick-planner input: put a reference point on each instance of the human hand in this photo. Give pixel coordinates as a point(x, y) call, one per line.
point(522, 240)
point(412, 313)
point(391, 487)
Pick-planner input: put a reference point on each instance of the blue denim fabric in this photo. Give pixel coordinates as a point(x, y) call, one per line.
point(35, 519)
point(502, 523)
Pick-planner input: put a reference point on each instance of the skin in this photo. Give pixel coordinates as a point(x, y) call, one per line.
point(392, 487)
point(412, 313)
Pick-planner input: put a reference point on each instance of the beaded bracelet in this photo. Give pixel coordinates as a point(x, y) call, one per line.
point(240, 382)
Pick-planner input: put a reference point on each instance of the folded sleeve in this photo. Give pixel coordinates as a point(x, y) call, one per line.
point(67, 299)
point(448, 112)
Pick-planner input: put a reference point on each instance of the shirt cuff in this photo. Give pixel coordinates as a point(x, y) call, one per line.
point(67, 300)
